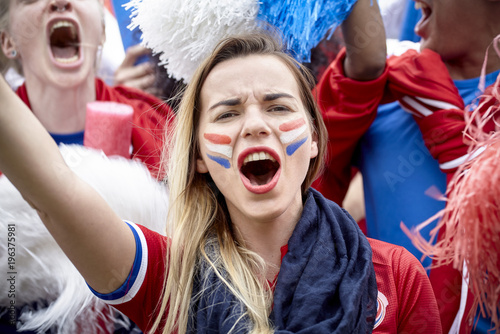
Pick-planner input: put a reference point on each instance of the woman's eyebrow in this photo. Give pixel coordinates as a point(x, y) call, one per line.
point(229, 102)
point(275, 96)
point(237, 101)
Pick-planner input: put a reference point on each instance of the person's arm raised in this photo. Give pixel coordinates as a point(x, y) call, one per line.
point(95, 239)
point(364, 37)
point(349, 93)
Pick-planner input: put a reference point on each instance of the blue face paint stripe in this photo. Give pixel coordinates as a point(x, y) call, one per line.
point(221, 161)
point(290, 149)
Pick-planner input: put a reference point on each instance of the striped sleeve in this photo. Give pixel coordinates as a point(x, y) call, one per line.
point(134, 281)
point(142, 292)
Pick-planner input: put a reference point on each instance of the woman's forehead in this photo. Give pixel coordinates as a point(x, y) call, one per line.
point(254, 75)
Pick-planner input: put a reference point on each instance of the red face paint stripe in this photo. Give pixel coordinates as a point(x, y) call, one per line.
point(292, 125)
point(217, 139)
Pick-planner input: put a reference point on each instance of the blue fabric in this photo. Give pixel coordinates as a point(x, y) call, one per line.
point(397, 169)
point(71, 138)
point(326, 283)
point(411, 17)
point(304, 23)
point(483, 325)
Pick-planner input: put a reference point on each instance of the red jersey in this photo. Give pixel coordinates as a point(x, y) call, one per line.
point(348, 108)
point(150, 119)
point(405, 302)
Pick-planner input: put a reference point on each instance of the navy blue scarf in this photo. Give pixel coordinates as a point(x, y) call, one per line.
point(326, 282)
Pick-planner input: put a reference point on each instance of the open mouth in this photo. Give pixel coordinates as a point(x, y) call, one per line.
point(260, 172)
point(64, 42)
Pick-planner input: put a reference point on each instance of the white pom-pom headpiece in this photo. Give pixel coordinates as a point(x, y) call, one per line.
point(185, 32)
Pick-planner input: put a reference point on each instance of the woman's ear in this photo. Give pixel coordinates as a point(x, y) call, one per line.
point(201, 166)
point(314, 145)
point(8, 45)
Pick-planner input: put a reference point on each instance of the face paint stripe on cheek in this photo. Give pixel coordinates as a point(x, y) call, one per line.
point(292, 130)
point(290, 149)
point(221, 161)
point(221, 149)
point(219, 144)
point(215, 138)
point(292, 125)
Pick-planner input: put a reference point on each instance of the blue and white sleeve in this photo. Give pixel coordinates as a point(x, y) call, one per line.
point(134, 281)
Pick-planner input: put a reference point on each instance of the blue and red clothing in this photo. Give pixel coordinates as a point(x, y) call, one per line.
point(405, 303)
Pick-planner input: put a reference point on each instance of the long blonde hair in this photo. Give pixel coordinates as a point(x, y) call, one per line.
point(198, 216)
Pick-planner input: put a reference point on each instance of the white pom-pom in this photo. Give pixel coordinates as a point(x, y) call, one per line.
point(184, 32)
point(43, 273)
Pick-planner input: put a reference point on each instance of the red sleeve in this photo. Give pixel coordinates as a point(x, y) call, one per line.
point(142, 308)
point(443, 134)
point(421, 83)
point(348, 108)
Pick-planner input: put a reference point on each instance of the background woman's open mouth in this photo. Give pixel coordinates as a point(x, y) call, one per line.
point(64, 42)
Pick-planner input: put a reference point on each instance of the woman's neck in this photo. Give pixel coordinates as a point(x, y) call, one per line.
point(267, 237)
point(61, 110)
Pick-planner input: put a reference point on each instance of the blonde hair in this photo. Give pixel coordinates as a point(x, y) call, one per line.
point(198, 214)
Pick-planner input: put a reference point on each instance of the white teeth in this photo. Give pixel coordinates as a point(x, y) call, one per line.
point(258, 156)
point(67, 60)
point(62, 24)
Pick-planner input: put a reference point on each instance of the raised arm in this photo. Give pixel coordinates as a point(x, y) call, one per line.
point(364, 37)
point(94, 238)
point(349, 93)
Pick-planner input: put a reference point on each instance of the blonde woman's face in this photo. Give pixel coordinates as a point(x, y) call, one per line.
point(255, 137)
point(56, 40)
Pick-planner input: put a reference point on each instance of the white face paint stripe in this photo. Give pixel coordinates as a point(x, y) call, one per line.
point(221, 149)
point(289, 136)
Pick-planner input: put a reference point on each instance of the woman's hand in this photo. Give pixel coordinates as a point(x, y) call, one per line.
point(140, 76)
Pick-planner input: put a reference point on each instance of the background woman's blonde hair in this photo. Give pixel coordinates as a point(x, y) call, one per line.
point(198, 216)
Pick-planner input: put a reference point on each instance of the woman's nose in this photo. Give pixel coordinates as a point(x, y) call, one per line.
point(60, 5)
point(255, 124)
